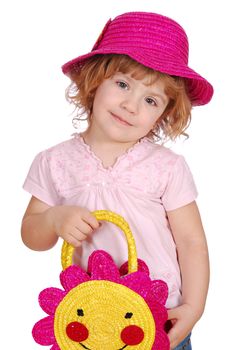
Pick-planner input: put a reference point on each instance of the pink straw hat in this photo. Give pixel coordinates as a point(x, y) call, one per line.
point(153, 40)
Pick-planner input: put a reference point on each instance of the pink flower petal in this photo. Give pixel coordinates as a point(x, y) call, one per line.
point(159, 312)
point(102, 267)
point(159, 290)
point(43, 331)
point(50, 298)
point(162, 341)
point(72, 277)
point(55, 347)
point(137, 281)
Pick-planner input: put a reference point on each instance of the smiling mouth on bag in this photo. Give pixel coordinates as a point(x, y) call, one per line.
point(85, 347)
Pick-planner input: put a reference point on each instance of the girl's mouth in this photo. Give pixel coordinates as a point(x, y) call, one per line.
point(120, 120)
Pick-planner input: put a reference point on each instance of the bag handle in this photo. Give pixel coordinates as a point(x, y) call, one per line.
point(68, 249)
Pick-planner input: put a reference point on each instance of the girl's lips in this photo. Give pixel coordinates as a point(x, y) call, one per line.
point(120, 120)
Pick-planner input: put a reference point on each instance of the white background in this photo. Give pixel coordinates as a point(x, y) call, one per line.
point(37, 37)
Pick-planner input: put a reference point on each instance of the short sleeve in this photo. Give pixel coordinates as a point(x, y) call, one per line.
point(180, 189)
point(39, 183)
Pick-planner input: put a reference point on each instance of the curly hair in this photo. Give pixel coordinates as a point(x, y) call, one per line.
point(86, 79)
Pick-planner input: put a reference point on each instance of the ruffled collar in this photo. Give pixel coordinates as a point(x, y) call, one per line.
point(119, 159)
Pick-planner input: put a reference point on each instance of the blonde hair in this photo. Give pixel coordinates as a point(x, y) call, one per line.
point(85, 81)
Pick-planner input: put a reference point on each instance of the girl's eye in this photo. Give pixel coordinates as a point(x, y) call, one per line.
point(151, 101)
point(122, 85)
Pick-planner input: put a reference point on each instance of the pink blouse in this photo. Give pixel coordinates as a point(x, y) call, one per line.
point(144, 183)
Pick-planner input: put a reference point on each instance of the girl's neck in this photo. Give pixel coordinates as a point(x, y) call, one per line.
point(95, 138)
point(105, 149)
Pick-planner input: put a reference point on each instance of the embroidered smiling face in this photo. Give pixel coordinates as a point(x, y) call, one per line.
point(119, 318)
point(102, 310)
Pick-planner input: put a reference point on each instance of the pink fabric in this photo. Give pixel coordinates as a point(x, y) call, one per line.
point(143, 184)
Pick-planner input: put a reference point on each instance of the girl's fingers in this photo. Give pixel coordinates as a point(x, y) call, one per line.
point(91, 220)
point(177, 333)
point(73, 240)
point(83, 228)
point(76, 237)
point(73, 235)
point(173, 313)
point(79, 228)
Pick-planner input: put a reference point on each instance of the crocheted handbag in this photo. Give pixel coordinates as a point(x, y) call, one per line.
point(106, 307)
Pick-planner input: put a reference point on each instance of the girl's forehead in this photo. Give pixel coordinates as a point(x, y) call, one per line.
point(147, 77)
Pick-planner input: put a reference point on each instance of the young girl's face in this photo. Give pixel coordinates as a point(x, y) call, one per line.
point(126, 109)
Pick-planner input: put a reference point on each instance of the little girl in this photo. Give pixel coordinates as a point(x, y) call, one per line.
point(135, 87)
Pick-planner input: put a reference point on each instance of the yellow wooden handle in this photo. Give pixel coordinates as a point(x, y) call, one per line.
point(68, 249)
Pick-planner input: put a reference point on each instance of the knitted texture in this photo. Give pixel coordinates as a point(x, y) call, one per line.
point(105, 307)
point(153, 40)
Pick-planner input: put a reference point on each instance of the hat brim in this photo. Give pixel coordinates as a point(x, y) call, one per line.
point(200, 91)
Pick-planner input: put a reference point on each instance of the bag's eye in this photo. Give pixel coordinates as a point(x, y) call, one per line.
point(128, 315)
point(80, 312)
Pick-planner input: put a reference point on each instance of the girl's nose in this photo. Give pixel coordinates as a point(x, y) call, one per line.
point(131, 104)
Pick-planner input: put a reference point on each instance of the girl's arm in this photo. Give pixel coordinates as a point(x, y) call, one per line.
point(192, 251)
point(42, 225)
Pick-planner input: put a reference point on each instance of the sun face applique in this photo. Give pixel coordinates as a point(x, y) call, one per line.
point(102, 310)
point(105, 308)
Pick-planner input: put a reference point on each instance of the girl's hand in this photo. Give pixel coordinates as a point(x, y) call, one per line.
point(72, 223)
point(183, 319)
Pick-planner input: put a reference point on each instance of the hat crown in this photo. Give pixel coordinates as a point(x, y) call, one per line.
point(150, 33)
point(153, 40)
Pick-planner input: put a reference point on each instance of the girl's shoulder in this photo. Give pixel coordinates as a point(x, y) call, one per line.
point(65, 148)
point(164, 160)
point(161, 152)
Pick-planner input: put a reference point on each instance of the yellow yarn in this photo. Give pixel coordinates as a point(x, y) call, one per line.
point(104, 306)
